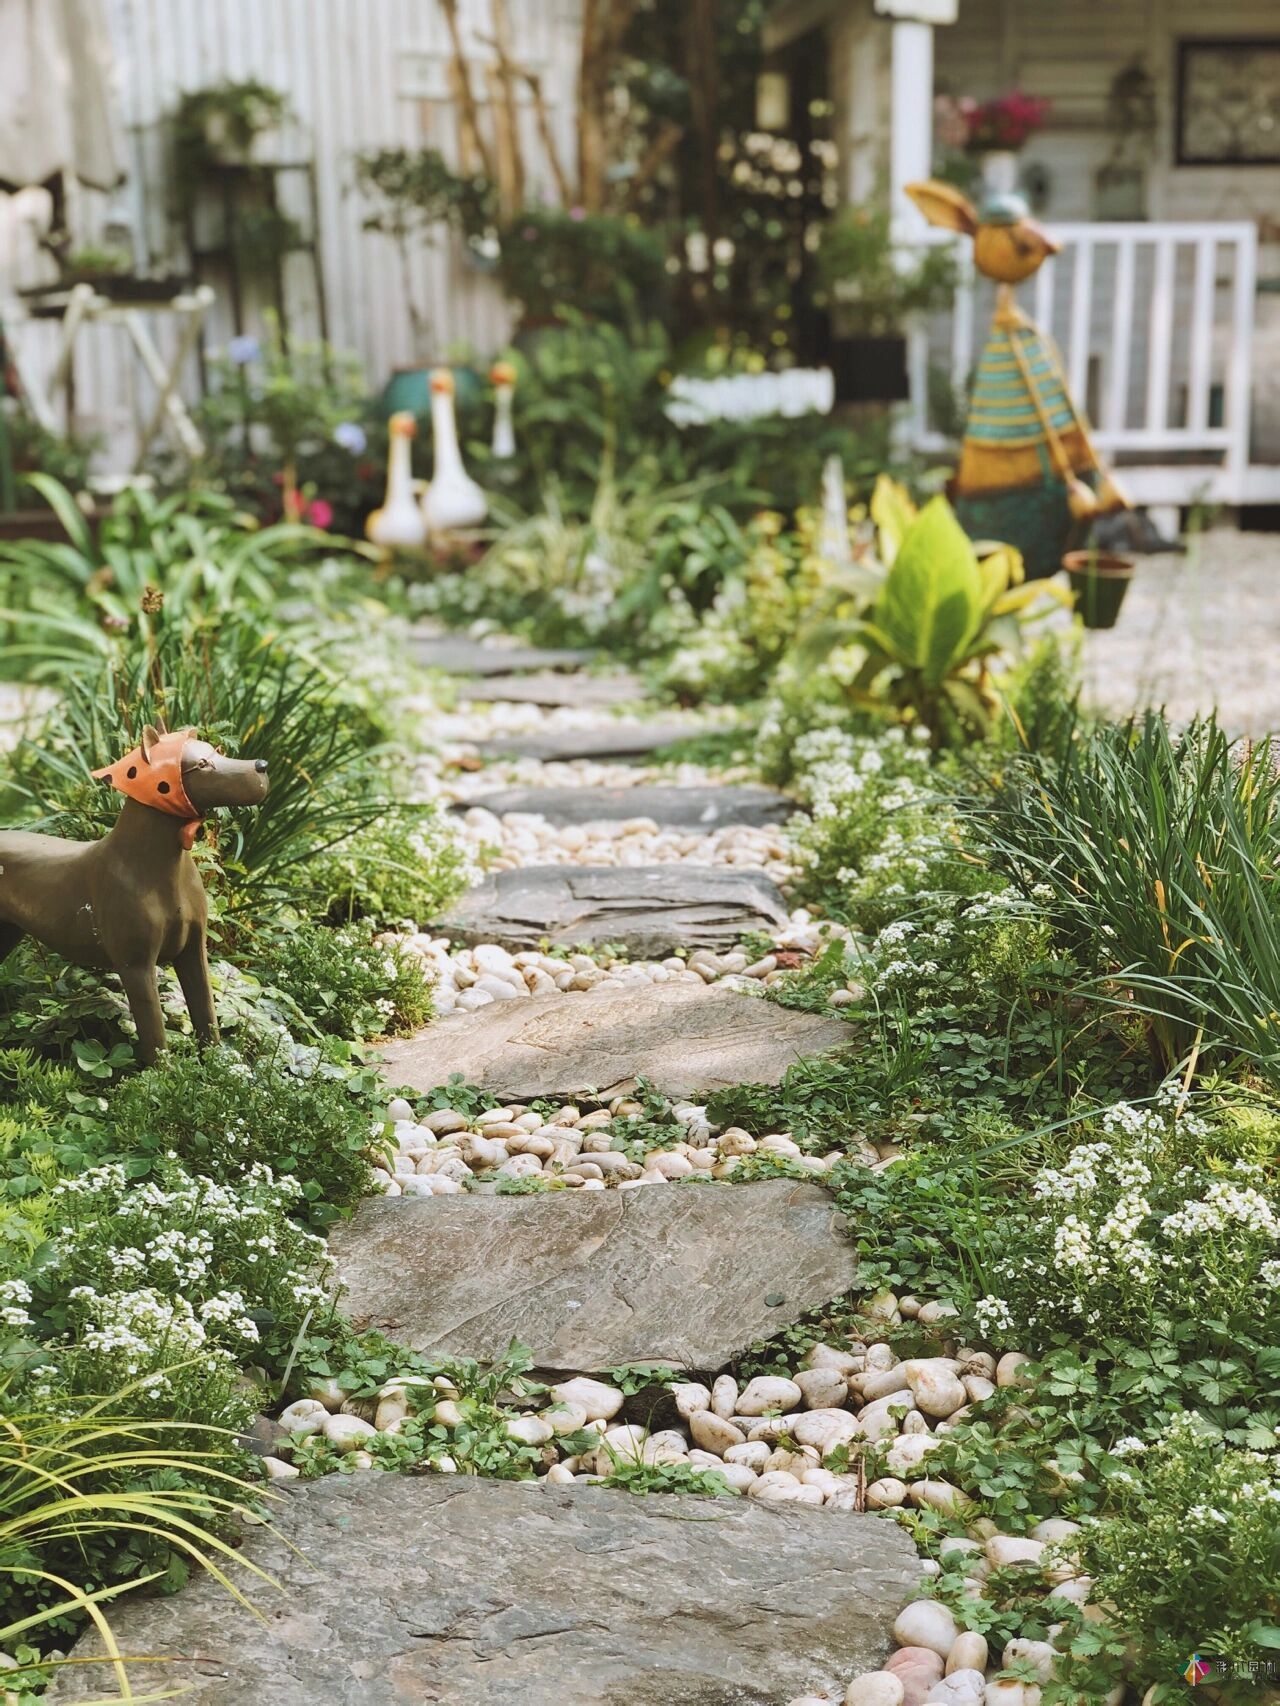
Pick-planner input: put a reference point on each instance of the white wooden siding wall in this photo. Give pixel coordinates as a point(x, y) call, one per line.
point(1070, 54)
point(347, 67)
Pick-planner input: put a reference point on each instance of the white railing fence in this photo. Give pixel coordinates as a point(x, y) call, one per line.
point(1155, 326)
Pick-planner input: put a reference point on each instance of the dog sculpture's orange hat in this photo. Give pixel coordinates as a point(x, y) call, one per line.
point(152, 775)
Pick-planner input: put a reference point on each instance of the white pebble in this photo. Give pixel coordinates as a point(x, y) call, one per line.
point(926, 1623)
point(600, 1402)
point(875, 1688)
point(768, 1392)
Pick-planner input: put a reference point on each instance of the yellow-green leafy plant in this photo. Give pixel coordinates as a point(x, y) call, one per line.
point(921, 649)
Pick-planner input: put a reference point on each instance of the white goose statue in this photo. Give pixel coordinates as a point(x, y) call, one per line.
point(399, 524)
point(453, 500)
point(503, 376)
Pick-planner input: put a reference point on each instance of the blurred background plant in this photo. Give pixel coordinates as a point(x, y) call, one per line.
point(189, 559)
point(412, 193)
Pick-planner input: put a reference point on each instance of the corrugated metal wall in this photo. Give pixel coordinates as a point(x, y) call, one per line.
point(360, 74)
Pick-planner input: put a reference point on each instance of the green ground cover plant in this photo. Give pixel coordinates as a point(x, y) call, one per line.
point(160, 1230)
point(1049, 1177)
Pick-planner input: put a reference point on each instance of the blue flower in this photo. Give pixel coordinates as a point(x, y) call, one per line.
point(350, 435)
point(244, 349)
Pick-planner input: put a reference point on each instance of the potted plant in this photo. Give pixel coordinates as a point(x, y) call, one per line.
point(263, 236)
point(995, 132)
point(869, 294)
point(26, 448)
point(227, 124)
point(411, 194)
point(1099, 582)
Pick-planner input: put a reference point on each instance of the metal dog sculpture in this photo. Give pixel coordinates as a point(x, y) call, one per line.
point(134, 900)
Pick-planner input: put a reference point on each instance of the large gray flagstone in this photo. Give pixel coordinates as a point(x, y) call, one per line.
point(455, 1591)
point(684, 1274)
point(686, 1040)
point(649, 909)
point(706, 808)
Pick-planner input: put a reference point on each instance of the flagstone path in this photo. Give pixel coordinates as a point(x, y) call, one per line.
point(595, 1280)
point(686, 1039)
point(457, 1590)
point(686, 808)
point(452, 1591)
point(651, 910)
point(457, 655)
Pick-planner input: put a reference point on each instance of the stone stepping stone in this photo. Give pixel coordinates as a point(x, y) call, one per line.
point(595, 740)
point(688, 1275)
point(469, 1592)
point(687, 1041)
point(701, 808)
point(548, 688)
point(457, 655)
point(650, 909)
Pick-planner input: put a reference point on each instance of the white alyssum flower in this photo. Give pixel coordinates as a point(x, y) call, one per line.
point(15, 1294)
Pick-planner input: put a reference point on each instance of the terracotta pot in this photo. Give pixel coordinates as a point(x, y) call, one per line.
point(1099, 581)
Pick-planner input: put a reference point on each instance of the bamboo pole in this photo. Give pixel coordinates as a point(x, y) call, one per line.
point(592, 81)
point(506, 116)
point(471, 137)
point(550, 147)
point(510, 200)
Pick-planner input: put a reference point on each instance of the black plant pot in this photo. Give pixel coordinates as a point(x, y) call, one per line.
point(1099, 581)
point(870, 370)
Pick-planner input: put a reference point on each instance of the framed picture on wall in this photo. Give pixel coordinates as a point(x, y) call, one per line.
point(1229, 102)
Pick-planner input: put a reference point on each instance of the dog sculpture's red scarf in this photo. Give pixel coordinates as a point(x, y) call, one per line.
point(156, 780)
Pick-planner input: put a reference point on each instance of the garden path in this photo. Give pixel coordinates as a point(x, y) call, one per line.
point(1195, 632)
point(551, 1593)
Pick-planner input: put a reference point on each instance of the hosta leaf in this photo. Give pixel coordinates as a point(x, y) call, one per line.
point(931, 606)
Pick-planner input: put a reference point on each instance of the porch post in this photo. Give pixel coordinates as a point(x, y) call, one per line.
point(911, 102)
point(911, 122)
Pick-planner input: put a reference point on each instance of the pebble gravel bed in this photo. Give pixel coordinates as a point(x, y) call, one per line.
point(576, 1146)
point(581, 773)
point(467, 978)
point(525, 838)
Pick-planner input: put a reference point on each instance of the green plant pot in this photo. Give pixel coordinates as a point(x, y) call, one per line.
point(409, 388)
point(1099, 581)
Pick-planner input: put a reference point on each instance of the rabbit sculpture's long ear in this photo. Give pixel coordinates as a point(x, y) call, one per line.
point(943, 204)
point(150, 738)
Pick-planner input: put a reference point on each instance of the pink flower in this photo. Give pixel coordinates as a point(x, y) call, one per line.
point(577, 213)
point(320, 513)
point(1007, 122)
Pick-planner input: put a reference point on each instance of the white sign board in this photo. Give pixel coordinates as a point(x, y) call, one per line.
point(920, 11)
